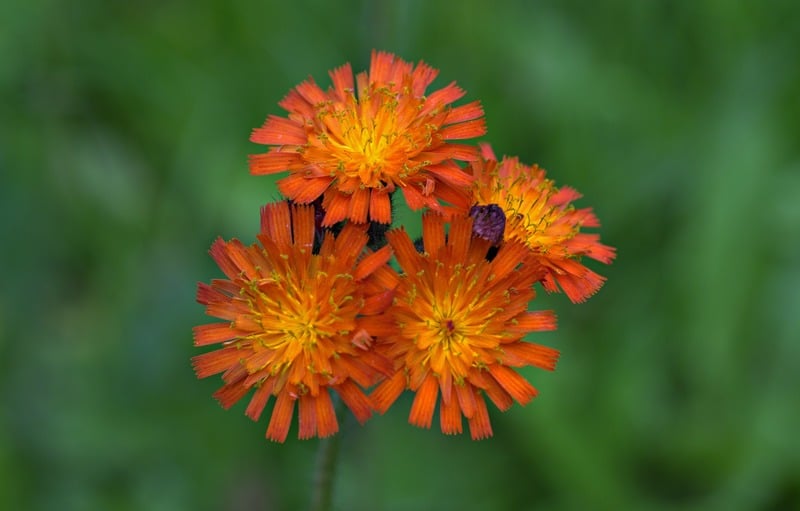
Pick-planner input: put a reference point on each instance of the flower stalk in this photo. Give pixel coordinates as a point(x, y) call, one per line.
point(325, 470)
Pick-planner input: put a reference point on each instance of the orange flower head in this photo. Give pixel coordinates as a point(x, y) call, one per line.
point(456, 325)
point(295, 322)
point(359, 141)
point(542, 216)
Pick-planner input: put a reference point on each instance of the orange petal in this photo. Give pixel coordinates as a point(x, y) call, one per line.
point(501, 399)
point(207, 295)
point(371, 262)
point(356, 400)
point(477, 254)
point(590, 246)
point(214, 333)
point(535, 321)
point(380, 207)
point(422, 76)
point(327, 424)
point(380, 326)
point(384, 277)
point(362, 85)
point(446, 95)
point(579, 283)
point(351, 240)
point(355, 368)
point(336, 206)
point(303, 189)
point(379, 366)
point(281, 418)
point(380, 66)
point(303, 226)
point(235, 374)
point(466, 399)
point(415, 200)
point(219, 254)
point(404, 251)
point(564, 195)
point(259, 400)
point(276, 223)
point(460, 198)
point(465, 112)
point(376, 304)
point(279, 131)
point(342, 80)
point(232, 310)
point(311, 92)
point(226, 286)
point(452, 174)
point(450, 418)
point(387, 392)
point(479, 425)
point(432, 232)
point(424, 403)
point(294, 103)
point(307, 412)
point(517, 386)
point(460, 237)
point(446, 386)
point(238, 253)
point(230, 394)
point(215, 362)
point(273, 162)
point(487, 153)
point(359, 206)
point(462, 130)
point(508, 258)
point(518, 354)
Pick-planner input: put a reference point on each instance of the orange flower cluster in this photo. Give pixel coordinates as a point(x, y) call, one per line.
point(329, 307)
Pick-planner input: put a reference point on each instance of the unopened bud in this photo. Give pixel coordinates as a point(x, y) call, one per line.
point(488, 222)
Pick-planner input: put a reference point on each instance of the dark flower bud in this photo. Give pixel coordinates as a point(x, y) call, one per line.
point(488, 222)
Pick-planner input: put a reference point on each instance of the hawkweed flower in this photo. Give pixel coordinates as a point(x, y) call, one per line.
point(359, 141)
point(295, 321)
point(455, 329)
point(542, 216)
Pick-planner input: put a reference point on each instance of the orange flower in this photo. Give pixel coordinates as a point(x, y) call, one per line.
point(542, 216)
point(296, 323)
point(455, 328)
point(358, 142)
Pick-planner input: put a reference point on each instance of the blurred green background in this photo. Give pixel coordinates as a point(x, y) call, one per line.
point(123, 154)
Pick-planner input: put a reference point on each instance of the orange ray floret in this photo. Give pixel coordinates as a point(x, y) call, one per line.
point(455, 329)
point(295, 322)
point(357, 142)
point(542, 216)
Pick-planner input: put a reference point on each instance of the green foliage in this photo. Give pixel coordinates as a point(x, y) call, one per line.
point(123, 154)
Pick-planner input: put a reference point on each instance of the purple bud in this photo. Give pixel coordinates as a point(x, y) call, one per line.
point(488, 222)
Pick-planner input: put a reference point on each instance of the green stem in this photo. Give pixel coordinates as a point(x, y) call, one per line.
point(323, 478)
point(327, 454)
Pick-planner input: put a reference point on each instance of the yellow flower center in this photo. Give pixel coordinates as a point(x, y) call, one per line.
point(308, 318)
point(452, 324)
point(371, 142)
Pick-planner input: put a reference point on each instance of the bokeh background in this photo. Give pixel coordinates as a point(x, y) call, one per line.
point(123, 153)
